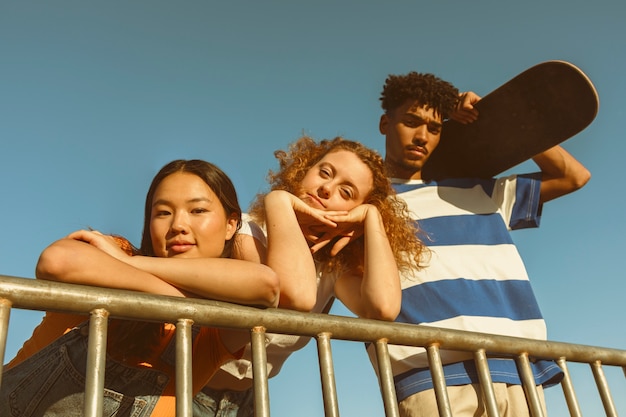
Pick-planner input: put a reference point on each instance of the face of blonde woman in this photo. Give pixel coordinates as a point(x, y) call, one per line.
point(339, 181)
point(187, 219)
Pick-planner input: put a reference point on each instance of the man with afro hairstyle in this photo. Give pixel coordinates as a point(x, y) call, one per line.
point(475, 279)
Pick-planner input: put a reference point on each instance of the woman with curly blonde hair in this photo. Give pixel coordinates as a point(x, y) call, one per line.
point(330, 226)
point(400, 229)
point(337, 193)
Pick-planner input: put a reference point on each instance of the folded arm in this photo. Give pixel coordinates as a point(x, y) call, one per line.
point(73, 260)
point(77, 262)
point(561, 173)
point(288, 252)
point(374, 291)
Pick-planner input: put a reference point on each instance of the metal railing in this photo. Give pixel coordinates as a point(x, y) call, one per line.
point(102, 303)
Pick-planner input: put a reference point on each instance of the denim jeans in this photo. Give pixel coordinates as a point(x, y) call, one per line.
point(51, 383)
point(214, 403)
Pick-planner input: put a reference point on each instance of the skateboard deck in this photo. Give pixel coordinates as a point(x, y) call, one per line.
point(539, 108)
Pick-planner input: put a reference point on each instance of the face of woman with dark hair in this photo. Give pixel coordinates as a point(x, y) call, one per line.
point(339, 181)
point(187, 219)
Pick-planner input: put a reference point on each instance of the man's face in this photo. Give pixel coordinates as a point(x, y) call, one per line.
point(412, 133)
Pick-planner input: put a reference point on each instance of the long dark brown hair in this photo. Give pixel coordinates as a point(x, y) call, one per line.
point(133, 339)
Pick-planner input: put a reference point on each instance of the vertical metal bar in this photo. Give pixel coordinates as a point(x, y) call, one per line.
point(385, 373)
point(259, 372)
point(568, 390)
point(96, 362)
point(530, 388)
point(439, 381)
point(327, 374)
point(184, 377)
point(486, 384)
point(603, 388)
point(5, 313)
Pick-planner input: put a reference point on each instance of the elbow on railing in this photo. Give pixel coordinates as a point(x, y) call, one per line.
point(301, 304)
point(385, 312)
point(269, 288)
point(75, 299)
point(52, 263)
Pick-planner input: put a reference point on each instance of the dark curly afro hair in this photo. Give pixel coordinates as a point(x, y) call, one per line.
point(427, 89)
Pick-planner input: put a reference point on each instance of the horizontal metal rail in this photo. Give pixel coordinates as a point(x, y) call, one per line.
point(42, 295)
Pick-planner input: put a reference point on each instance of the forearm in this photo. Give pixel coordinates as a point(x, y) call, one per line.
point(381, 292)
point(375, 293)
point(224, 279)
point(561, 173)
point(76, 262)
point(288, 254)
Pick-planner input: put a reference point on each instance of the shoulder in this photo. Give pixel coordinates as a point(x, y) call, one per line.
point(249, 227)
point(250, 241)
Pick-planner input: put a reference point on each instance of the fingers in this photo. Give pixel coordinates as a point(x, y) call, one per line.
point(465, 111)
point(313, 232)
point(319, 245)
point(327, 221)
point(97, 239)
point(341, 243)
point(84, 235)
point(320, 240)
point(314, 217)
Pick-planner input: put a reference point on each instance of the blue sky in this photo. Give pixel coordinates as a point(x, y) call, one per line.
point(96, 97)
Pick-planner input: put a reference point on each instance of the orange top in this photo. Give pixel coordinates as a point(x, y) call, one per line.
point(209, 353)
point(53, 326)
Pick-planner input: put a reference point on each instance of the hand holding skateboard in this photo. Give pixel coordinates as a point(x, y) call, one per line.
point(534, 111)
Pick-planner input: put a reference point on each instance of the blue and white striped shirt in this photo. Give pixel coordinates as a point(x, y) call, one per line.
point(474, 279)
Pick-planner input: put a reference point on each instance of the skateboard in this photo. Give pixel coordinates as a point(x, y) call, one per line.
point(539, 108)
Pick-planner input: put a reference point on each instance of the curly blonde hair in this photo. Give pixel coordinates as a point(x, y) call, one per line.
point(402, 231)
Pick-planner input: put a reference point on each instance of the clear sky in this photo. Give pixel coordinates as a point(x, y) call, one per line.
point(96, 97)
